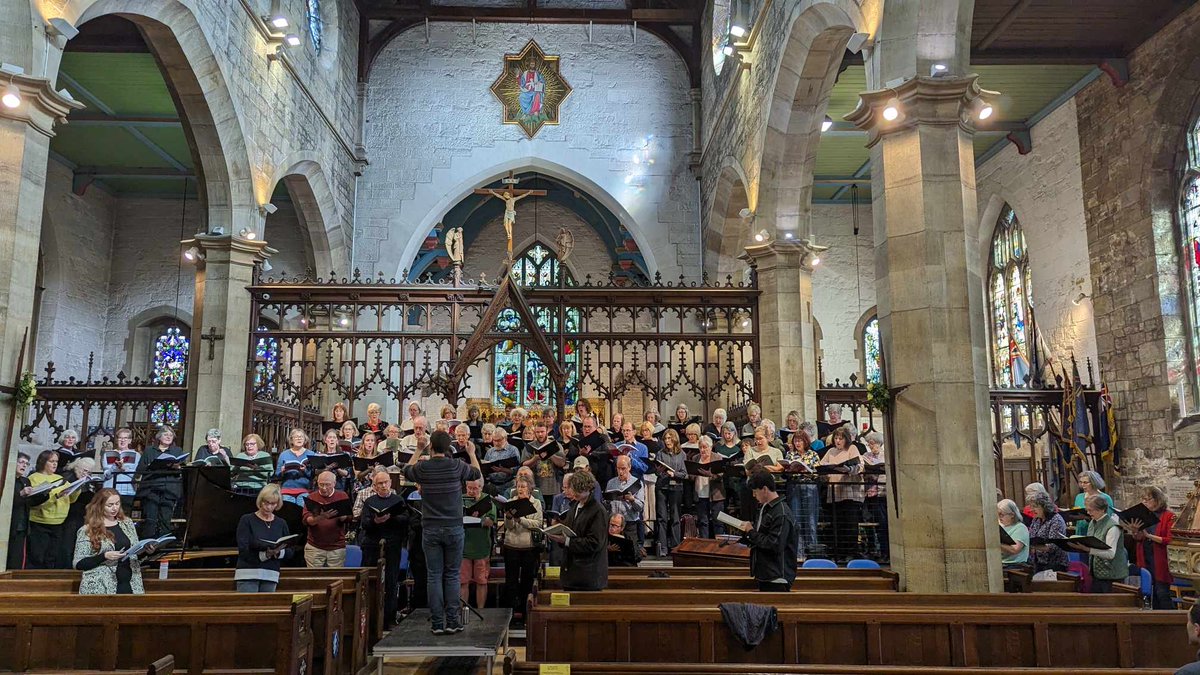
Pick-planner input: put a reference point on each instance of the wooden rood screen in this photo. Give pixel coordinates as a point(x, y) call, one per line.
point(360, 340)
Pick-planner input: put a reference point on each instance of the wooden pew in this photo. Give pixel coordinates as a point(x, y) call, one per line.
point(745, 572)
point(1020, 581)
point(65, 633)
point(514, 667)
point(807, 583)
point(369, 602)
point(336, 641)
point(864, 599)
point(1105, 637)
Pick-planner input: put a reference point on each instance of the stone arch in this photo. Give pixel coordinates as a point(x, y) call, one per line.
point(727, 233)
point(317, 209)
point(792, 132)
point(860, 357)
point(203, 97)
point(464, 188)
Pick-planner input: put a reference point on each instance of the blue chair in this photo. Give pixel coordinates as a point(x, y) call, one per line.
point(1074, 557)
point(819, 564)
point(1147, 585)
point(862, 564)
point(353, 556)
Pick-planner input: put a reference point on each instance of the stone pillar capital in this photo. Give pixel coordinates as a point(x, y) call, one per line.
point(40, 107)
point(236, 249)
point(784, 254)
point(941, 101)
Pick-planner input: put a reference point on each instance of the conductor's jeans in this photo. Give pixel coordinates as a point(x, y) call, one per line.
point(319, 557)
point(443, 557)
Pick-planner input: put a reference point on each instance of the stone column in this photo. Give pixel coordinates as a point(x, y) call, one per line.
point(787, 354)
point(930, 296)
point(25, 133)
point(217, 386)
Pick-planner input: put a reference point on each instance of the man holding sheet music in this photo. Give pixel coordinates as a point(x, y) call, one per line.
point(584, 537)
point(771, 537)
point(626, 496)
point(326, 512)
point(441, 478)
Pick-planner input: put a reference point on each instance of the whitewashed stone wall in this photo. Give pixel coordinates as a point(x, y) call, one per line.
point(433, 131)
point(843, 286)
point(1045, 190)
point(286, 234)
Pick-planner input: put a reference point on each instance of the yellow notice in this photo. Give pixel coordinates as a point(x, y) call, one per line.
point(553, 572)
point(560, 599)
point(554, 669)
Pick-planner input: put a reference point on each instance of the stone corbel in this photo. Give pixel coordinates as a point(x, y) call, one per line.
point(783, 253)
point(920, 101)
point(240, 250)
point(41, 107)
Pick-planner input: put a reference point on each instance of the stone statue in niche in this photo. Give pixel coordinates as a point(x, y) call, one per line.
point(565, 242)
point(454, 245)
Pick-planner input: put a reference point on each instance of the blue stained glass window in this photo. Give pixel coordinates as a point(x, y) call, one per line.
point(266, 361)
point(1189, 223)
point(315, 25)
point(1010, 310)
point(520, 378)
point(169, 368)
point(872, 356)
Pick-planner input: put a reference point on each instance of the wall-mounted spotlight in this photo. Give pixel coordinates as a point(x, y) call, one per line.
point(11, 97)
point(762, 235)
point(291, 40)
point(891, 110)
point(218, 230)
point(60, 26)
point(193, 254)
point(266, 267)
point(737, 31)
point(816, 260)
point(729, 50)
point(247, 233)
point(277, 21)
point(939, 70)
point(983, 110)
point(1080, 299)
point(267, 209)
point(826, 124)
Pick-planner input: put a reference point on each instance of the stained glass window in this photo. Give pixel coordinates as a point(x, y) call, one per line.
point(1010, 305)
point(720, 32)
point(266, 362)
point(315, 26)
point(872, 358)
point(520, 378)
point(1189, 220)
point(169, 368)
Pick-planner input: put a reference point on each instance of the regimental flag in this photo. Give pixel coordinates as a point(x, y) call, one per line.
point(1018, 363)
point(1107, 436)
point(1076, 428)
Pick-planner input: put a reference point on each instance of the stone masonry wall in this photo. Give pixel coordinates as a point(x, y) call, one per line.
point(434, 133)
point(1044, 189)
point(843, 286)
point(1132, 139)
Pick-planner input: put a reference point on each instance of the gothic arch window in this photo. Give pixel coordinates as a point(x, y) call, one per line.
point(871, 350)
point(1189, 221)
point(520, 378)
point(1010, 303)
point(169, 367)
point(266, 362)
point(316, 27)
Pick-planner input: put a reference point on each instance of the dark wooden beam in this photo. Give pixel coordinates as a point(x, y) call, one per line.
point(1018, 57)
point(92, 119)
point(1002, 25)
point(537, 15)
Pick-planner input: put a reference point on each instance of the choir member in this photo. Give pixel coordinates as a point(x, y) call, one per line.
point(755, 414)
point(251, 479)
point(713, 428)
point(791, 425)
point(691, 434)
point(672, 472)
point(771, 536)
point(1152, 544)
point(159, 489)
point(1091, 484)
point(414, 411)
point(212, 452)
point(441, 478)
point(1016, 553)
point(585, 557)
point(546, 460)
point(516, 423)
point(83, 467)
point(761, 451)
point(462, 440)
point(519, 549)
point(550, 419)
point(875, 502)
point(475, 423)
point(682, 419)
point(326, 543)
point(582, 464)
point(22, 502)
point(293, 468)
point(1047, 523)
point(815, 441)
point(374, 423)
point(368, 447)
point(735, 478)
point(614, 431)
point(640, 456)
point(626, 495)
point(647, 438)
point(620, 553)
point(655, 419)
point(803, 491)
point(500, 478)
point(567, 439)
point(583, 410)
point(449, 412)
point(477, 545)
point(591, 445)
point(122, 470)
point(710, 492)
point(349, 435)
point(419, 438)
point(100, 549)
point(46, 520)
point(68, 449)
point(260, 548)
point(383, 532)
point(846, 492)
point(773, 436)
point(833, 413)
point(331, 446)
point(338, 415)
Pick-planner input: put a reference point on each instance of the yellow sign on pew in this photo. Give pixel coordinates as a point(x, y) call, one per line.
point(554, 669)
point(553, 572)
point(560, 599)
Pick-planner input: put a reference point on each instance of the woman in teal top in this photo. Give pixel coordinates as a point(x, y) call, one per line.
point(1010, 521)
point(1090, 483)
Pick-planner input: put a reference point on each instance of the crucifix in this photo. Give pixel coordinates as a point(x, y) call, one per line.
point(511, 195)
point(211, 338)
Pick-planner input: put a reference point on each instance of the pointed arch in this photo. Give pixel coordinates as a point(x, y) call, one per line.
point(1013, 344)
point(317, 209)
point(727, 233)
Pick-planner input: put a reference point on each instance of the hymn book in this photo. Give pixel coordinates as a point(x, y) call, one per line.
point(136, 549)
point(333, 462)
point(300, 465)
point(480, 508)
point(243, 463)
point(364, 463)
point(1073, 515)
point(732, 522)
point(393, 505)
point(619, 493)
point(558, 528)
point(66, 455)
point(338, 509)
point(45, 487)
point(715, 467)
point(842, 467)
point(505, 463)
point(1006, 538)
point(1140, 513)
point(326, 425)
point(1065, 543)
point(276, 543)
point(167, 461)
point(545, 451)
point(518, 508)
point(124, 457)
point(78, 485)
point(796, 466)
point(623, 449)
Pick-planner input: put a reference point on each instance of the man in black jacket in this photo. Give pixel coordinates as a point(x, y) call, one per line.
point(585, 566)
point(771, 537)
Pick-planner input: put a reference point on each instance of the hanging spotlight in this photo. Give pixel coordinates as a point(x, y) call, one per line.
point(292, 40)
point(193, 254)
point(12, 96)
point(826, 124)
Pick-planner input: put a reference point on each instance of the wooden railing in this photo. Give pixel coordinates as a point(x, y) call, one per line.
point(273, 420)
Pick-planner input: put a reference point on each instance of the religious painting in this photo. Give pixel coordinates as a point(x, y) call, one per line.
point(530, 89)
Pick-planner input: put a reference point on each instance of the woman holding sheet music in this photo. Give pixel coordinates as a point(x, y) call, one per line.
point(293, 468)
point(159, 483)
point(252, 467)
point(803, 491)
point(1152, 543)
point(100, 549)
point(1047, 523)
point(847, 500)
point(1090, 484)
point(262, 540)
point(522, 516)
point(1109, 564)
point(670, 466)
point(47, 520)
point(81, 468)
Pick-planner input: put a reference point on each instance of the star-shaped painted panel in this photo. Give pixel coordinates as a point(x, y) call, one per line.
point(531, 89)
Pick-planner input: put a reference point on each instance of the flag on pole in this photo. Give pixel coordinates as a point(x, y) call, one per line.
point(1018, 363)
point(1076, 428)
point(1107, 435)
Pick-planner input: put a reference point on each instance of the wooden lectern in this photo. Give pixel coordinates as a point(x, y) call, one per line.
point(694, 552)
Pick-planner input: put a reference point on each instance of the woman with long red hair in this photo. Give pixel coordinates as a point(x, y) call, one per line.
point(100, 547)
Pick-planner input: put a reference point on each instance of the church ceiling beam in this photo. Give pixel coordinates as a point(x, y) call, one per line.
point(86, 119)
point(1003, 24)
point(134, 172)
point(534, 14)
point(94, 101)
